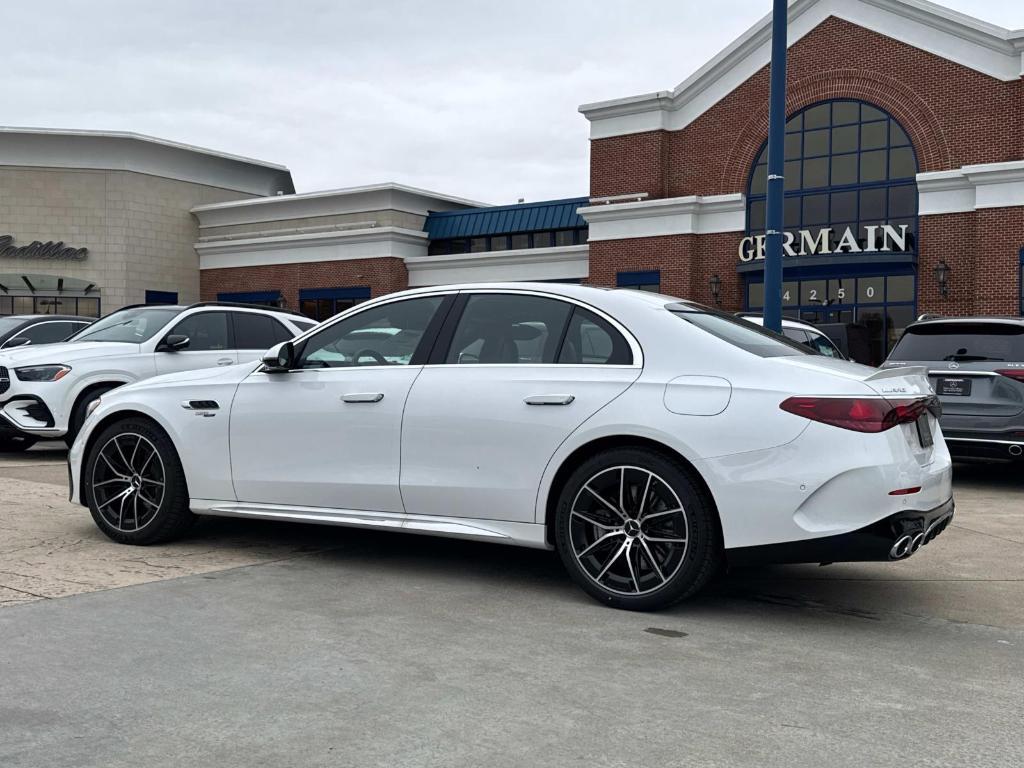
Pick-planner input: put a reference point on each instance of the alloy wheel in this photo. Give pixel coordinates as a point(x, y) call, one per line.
point(128, 481)
point(628, 530)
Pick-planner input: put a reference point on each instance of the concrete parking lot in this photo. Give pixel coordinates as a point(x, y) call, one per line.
point(274, 644)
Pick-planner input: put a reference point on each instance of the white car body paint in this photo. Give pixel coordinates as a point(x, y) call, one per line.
point(477, 462)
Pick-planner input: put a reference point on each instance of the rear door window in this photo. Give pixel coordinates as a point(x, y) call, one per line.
point(962, 343)
point(591, 340)
point(253, 331)
point(509, 329)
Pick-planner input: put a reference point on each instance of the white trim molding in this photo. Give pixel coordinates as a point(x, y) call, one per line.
point(371, 198)
point(344, 245)
point(569, 262)
point(691, 215)
point(968, 41)
point(971, 188)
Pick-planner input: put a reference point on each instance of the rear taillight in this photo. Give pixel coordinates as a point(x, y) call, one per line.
point(861, 414)
point(1017, 374)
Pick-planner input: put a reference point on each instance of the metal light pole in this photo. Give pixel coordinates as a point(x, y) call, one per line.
point(776, 183)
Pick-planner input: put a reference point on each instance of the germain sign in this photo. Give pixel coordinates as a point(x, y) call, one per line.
point(40, 250)
point(880, 238)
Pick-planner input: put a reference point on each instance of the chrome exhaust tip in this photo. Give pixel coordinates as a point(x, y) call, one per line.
point(1016, 450)
point(916, 543)
point(902, 547)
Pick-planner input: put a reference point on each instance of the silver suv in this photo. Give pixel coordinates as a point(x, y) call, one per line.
point(976, 366)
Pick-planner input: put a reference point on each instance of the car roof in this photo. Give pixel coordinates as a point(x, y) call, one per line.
point(605, 298)
point(997, 320)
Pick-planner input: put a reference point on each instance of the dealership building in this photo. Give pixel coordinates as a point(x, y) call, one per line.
point(904, 178)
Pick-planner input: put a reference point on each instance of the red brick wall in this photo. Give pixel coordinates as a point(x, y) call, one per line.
point(954, 116)
point(982, 249)
point(384, 275)
point(686, 263)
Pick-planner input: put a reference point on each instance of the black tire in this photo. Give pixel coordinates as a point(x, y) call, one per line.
point(110, 456)
point(78, 413)
point(681, 549)
point(16, 443)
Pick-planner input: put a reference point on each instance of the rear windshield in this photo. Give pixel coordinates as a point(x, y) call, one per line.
point(961, 342)
point(740, 333)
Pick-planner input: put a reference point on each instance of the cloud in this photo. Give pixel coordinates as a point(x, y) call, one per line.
point(477, 99)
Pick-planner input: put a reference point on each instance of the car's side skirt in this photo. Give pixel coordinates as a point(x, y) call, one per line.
point(497, 531)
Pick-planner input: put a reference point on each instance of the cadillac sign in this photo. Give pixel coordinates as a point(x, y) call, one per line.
point(40, 250)
point(881, 238)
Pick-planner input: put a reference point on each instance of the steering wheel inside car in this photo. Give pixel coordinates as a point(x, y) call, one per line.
point(376, 356)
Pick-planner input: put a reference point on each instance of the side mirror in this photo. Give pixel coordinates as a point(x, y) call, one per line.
point(174, 342)
point(280, 358)
point(17, 341)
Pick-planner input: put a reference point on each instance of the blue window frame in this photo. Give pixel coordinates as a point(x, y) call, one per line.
point(847, 164)
point(269, 298)
point(161, 297)
point(641, 281)
point(321, 303)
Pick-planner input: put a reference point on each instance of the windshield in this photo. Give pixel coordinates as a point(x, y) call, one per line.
point(961, 342)
point(131, 325)
point(747, 336)
point(8, 324)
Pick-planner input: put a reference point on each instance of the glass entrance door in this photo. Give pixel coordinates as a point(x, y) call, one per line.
point(884, 304)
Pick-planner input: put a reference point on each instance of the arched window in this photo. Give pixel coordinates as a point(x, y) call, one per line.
point(848, 166)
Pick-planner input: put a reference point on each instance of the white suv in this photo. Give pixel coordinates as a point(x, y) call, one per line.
point(46, 391)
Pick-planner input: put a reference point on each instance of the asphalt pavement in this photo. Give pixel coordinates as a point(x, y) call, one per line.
point(287, 645)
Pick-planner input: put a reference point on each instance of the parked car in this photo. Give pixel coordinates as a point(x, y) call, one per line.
point(852, 339)
point(44, 392)
point(802, 333)
point(649, 440)
point(23, 330)
point(976, 365)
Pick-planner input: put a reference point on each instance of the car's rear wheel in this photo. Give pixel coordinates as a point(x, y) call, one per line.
point(635, 530)
point(16, 443)
point(134, 484)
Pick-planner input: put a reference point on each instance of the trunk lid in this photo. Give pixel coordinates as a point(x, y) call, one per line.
point(962, 358)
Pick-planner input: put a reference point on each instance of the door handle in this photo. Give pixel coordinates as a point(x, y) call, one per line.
point(549, 399)
point(362, 397)
point(225, 361)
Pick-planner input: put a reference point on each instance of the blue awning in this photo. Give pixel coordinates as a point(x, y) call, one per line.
point(507, 219)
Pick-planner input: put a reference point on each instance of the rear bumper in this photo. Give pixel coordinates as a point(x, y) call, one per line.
point(892, 538)
point(1006, 447)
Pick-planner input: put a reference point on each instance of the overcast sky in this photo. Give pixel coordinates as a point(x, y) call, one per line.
point(477, 99)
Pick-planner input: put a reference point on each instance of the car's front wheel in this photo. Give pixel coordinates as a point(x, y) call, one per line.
point(635, 530)
point(134, 484)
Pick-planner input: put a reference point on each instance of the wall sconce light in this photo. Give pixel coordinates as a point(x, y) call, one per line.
point(942, 272)
point(715, 284)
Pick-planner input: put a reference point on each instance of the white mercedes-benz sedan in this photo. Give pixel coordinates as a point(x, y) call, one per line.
point(649, 440)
